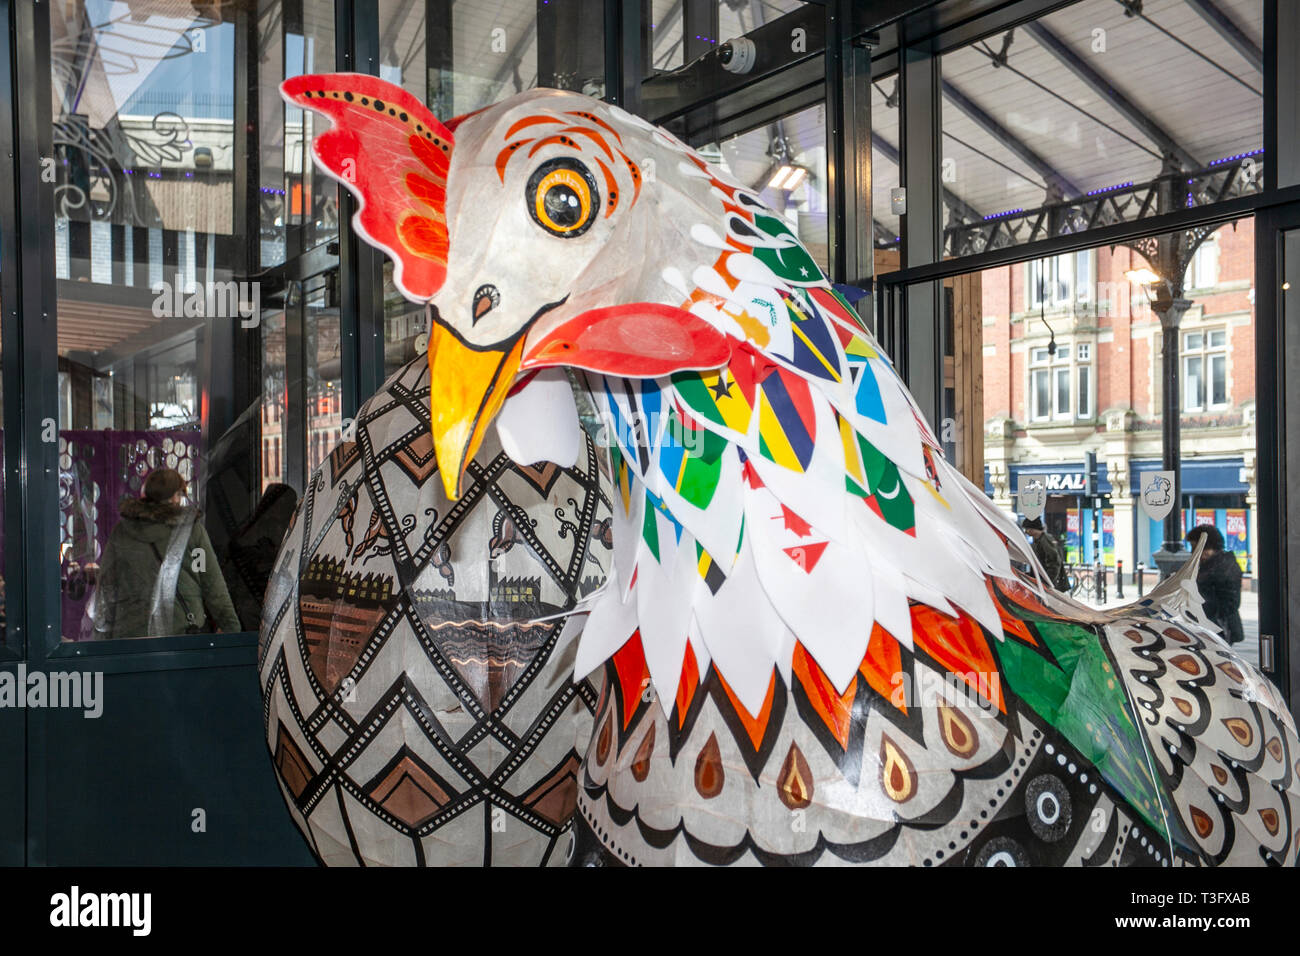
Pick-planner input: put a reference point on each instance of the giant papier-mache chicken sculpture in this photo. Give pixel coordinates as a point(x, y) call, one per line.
point(820, 643)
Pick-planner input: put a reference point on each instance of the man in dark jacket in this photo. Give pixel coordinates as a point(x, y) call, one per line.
point(1049, 552)
point(1219, 581)
point(159, 575)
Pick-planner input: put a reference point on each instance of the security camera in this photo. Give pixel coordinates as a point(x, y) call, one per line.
point(738, 55)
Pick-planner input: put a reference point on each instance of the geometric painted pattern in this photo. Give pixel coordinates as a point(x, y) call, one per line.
point(821, 645)
point(417, 711)
point(912, 766)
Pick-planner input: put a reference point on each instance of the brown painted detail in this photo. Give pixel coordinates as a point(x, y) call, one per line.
point(1134, 636)
point(1186, 663)
point(795, 780)
point(409, 792)
point(416, 458)
point(1270, 819)
point(1274, 748)
point(957, 731)
point(1176, 635)
point(489, 656)
point(292, 764)
point(540, 475)
point(1184, 706)
point(555, 796)
point(1220, 775)
point(1241, 731)
point(641, 761)
point(709, 775)
point(604, 741)
point(897, 775)
point(342, 458)
point(1202, 822)
point(1233, 671)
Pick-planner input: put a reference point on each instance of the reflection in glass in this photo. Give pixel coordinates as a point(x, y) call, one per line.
point(275, 399)
point(1031, 389)
point(785, 163)
point(154, 312)
point(324, 370)
point(1097, 114)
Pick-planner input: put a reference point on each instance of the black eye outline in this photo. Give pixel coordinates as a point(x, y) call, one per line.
point(535, 182)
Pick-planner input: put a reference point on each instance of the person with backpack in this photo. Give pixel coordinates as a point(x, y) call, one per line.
point(1049, 552)
point(159, 575)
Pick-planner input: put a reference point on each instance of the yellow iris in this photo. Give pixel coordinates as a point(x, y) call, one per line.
point(576, 185)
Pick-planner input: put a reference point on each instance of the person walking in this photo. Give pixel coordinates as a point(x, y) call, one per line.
point(1219, 581)
point(1049, 552)
point(159, 575)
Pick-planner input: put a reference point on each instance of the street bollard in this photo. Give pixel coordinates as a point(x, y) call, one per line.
point(1119, 579)
point(1098, 575)
point(1140, 575)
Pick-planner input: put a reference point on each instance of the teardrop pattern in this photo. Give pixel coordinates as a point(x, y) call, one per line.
point(957, 731)
point(603, 741)
point(1241, 731)
point(641, 761)
point(709, 775)
point(897, 775)
point(796, 782)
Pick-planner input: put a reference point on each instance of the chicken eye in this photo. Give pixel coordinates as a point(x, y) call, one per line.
point(562, 197)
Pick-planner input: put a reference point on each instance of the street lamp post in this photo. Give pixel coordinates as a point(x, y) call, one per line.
point(1170, 310)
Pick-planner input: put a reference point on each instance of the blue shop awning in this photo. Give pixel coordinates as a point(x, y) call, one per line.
point(1201, 476)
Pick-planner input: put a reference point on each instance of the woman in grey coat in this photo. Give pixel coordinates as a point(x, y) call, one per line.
point(159, 575)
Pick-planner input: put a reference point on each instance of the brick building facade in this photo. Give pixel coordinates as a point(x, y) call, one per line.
point(1071, 365)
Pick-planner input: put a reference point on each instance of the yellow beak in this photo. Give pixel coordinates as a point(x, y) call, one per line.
point(467, 389)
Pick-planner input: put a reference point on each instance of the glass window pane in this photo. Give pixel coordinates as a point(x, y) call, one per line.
point(1193, 387)
point(1122, 373)
point(1062, 391)
point(885, 101)
point(159, 355)
point(406, 327)
point(403, 44)
point(311, 195)
point(667, 51)
point(1218, 379)
point(324, 369)
point(1042, 394)
point(1036, 144)
point(275, 398)
point(797, 144)
point(1193, 340)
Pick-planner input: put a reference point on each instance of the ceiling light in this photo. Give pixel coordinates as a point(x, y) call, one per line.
point(787, 177)
point(779, 177)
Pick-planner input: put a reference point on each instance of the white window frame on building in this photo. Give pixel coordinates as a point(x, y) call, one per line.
point(1209, 348)
point(1069, 277)
point(1069, 375)
point(1203, 270)
point(1083, 403)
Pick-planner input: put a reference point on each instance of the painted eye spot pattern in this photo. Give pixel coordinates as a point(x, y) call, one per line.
point(562, 197)
point(486, 298)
